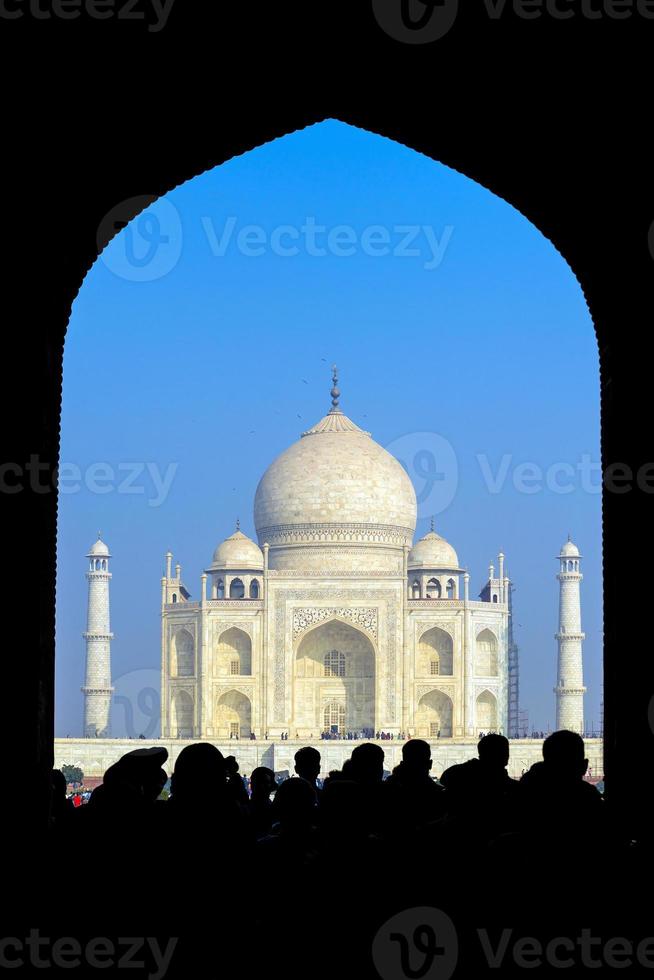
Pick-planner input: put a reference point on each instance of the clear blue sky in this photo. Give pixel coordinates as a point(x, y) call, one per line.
point(196, 344)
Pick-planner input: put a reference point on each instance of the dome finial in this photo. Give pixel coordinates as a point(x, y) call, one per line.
point(432, 522)
point(335, 393)
point(99, 535)
point(238, 523)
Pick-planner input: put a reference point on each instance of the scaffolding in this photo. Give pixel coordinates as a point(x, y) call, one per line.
point(514, 673)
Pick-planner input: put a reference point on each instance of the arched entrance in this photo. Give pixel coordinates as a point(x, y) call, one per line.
point(486, 712)
point(334, 683)
point(434, 716)
point(181, 721)
point(233, 715)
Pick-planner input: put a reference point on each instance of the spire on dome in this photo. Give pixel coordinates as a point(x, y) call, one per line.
point(432, 522)
point(335, 420)
point(335, 392)
point(238, 524)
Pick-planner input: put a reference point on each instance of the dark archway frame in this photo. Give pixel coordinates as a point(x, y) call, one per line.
point(549, 206)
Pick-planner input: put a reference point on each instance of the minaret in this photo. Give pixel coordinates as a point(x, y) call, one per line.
point(570, 688)
point(97, 688)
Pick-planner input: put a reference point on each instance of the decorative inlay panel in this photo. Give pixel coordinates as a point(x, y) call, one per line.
point(306, 617)
point(242, 687)
point(422, 689)
point(423, 627)
point(221, 626)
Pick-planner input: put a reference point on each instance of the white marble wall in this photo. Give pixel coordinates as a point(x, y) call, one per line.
point(94, 756)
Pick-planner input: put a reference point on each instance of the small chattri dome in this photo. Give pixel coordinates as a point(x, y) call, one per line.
point(433, 551)
point(238, 551)
point(569, 549)
point(99, 549)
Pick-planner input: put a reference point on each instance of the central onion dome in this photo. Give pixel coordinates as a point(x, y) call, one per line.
point(335, 498)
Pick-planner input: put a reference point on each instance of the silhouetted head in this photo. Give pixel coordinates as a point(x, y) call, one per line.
point(199, 772)
point(59, 785)
point(262, 781)
point(563, 753)
point(307, 763)
point(137, 775)
point(294, 805)
point(416, 755)
point(493, 750)
point(231, 765)
point(367, 764)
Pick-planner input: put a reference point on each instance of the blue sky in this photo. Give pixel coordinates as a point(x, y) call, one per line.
point(199, 348)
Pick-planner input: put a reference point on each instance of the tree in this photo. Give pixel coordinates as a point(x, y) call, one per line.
point(73, 774)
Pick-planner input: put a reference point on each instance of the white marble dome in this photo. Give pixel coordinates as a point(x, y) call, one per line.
point(433, 551)
point(237, 552)
point(98, 550)
point(570, 550)
point(334, 488)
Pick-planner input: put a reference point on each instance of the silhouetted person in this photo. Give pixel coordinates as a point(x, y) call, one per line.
point(203, 819)
point(234, 782)
point(555, 799)
point(122, 822)
point(367, 764)
point(262, 784)
point(307, 766)
point(480, 794)
point(292, 843)
point(411, 797)
point(366, 767)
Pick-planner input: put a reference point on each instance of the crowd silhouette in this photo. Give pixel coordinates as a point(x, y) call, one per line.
point(310, 870)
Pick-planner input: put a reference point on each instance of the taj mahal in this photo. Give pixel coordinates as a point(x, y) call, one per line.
point(335, 621)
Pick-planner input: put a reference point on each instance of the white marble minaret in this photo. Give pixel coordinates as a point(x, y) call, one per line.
point(570, 688)
point(97, 688)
